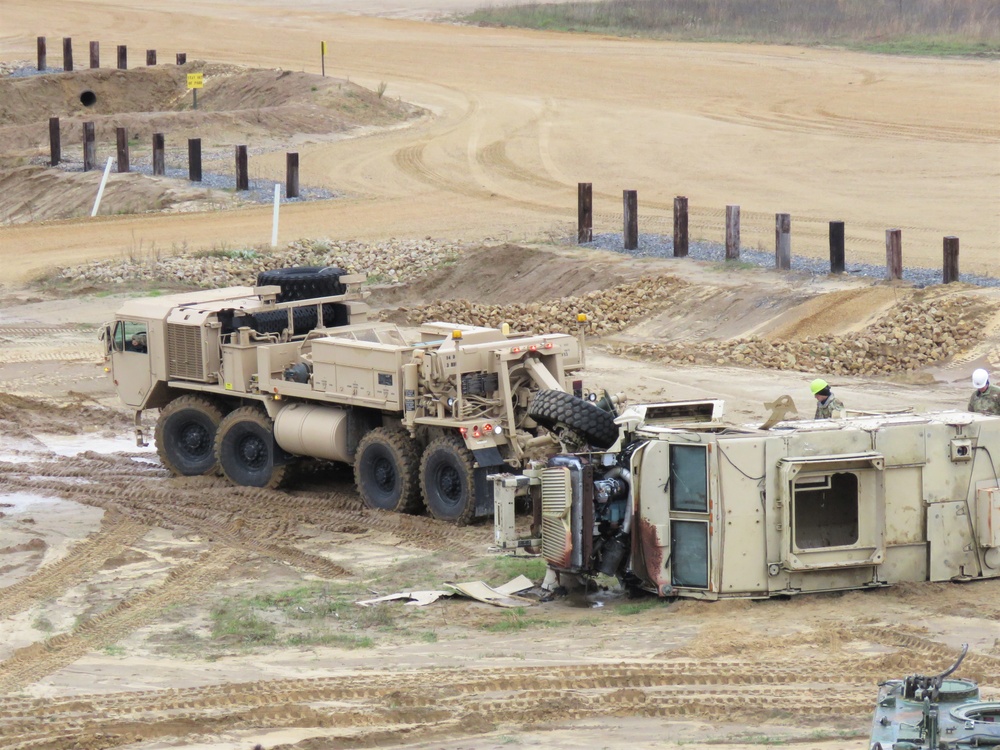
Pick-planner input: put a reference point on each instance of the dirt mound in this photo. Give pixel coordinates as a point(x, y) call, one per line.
point(263, 109)
point(34, 193)
point(502, 274)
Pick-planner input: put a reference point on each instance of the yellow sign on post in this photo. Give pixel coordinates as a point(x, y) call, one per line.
point(196, 80)
point(322, 47)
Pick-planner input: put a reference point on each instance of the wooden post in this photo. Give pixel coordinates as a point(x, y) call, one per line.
point(836, 247)
point(182, 58)
point(122, 136)
point(89, 147)
point(95, 54)
point(68, 54)
point(55, 145)
point(291, 175)
point(950, 269)
point(630, 201)
point(194, 159)
point(151, 57)
point(680, 226)
point(41, 53)
point(893, 254)
point(732, 232)
point(783, 241)
point(122, 57)
point(242, 178)
point(159, 161)
point(584, 212)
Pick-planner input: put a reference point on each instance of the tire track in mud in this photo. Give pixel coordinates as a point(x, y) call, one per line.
point(825, 121)
point(34, 343)
point(79, 563)
point(31, 663)
point(266, 521)
point(452, 702)
point(447, 699)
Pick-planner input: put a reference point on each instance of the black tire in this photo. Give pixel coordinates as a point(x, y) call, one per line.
point(304, 282)
point(246, 451)
point(552, 409)
point(386, 465)
point(185, 435)
point(448, 481)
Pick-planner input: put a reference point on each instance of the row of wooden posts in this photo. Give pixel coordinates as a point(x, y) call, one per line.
point(159, 162)
point(782, 235)
point(95, 55)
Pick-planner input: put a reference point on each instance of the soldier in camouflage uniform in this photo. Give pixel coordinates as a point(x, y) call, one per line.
point(986, 399)
point(826, 402)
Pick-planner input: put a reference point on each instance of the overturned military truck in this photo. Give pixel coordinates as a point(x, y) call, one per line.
point(686, 506)
point(250, 380)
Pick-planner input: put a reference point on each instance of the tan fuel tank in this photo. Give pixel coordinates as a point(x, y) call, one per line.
point(313, 430)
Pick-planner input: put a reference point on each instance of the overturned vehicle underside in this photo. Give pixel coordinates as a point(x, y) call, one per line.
point(684, 505)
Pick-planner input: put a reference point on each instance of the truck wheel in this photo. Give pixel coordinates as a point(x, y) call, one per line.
point(446, 475)
point(185, 435)
point(554, 408)
point(246, 450)
point(385, 471)
point(304, 282)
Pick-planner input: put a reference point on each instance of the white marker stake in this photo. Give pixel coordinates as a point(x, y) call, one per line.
point(100, 190)
point(274, 229)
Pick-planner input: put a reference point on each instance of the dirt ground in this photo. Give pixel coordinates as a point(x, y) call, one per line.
point(147, 612)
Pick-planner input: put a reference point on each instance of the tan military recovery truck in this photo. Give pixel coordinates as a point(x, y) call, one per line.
point(247, 380)
point(686, 506)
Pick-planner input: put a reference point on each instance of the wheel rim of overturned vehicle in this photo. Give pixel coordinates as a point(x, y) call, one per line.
point(553, 409)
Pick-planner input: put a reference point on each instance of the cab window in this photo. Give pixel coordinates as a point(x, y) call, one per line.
point(130, 336)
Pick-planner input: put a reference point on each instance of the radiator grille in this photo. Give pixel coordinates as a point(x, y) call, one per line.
point(184, 352)
point(557, 500)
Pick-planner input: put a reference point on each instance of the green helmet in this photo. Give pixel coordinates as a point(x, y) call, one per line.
point(817, 385)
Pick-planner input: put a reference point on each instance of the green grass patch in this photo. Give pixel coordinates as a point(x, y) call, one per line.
point(342, 640)
point(636, 608)
point(503, 568)
point(43, 623)
point(236, 622)
point(513, 620)
point(911, 27)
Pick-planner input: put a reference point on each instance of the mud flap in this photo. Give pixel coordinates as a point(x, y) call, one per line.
point(484, 488)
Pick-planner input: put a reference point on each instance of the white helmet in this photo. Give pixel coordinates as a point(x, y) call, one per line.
point(980, 378)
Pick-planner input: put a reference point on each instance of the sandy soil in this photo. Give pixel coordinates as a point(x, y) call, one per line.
point(114, 576)
point(522, 117)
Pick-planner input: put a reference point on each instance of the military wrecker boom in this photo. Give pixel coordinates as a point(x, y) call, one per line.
point(684, 505)
point(248, 380)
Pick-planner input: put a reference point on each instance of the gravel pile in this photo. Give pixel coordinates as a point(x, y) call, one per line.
point(384, 262)
point(912, 335)
point(662, 246)
point(608, 310)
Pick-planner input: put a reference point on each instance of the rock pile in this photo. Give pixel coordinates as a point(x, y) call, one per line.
point(387, 261)
point(913, 335)
point(608, 310)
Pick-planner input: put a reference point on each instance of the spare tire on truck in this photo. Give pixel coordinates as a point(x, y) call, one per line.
point(553, 409)
point(304, 282)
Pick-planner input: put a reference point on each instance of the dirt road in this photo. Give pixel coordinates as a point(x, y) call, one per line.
point(521, 117)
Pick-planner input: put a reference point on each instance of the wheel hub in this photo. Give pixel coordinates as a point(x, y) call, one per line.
point(194, 439)
point(252, 452)
point(450, 484)
point(385, 475)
